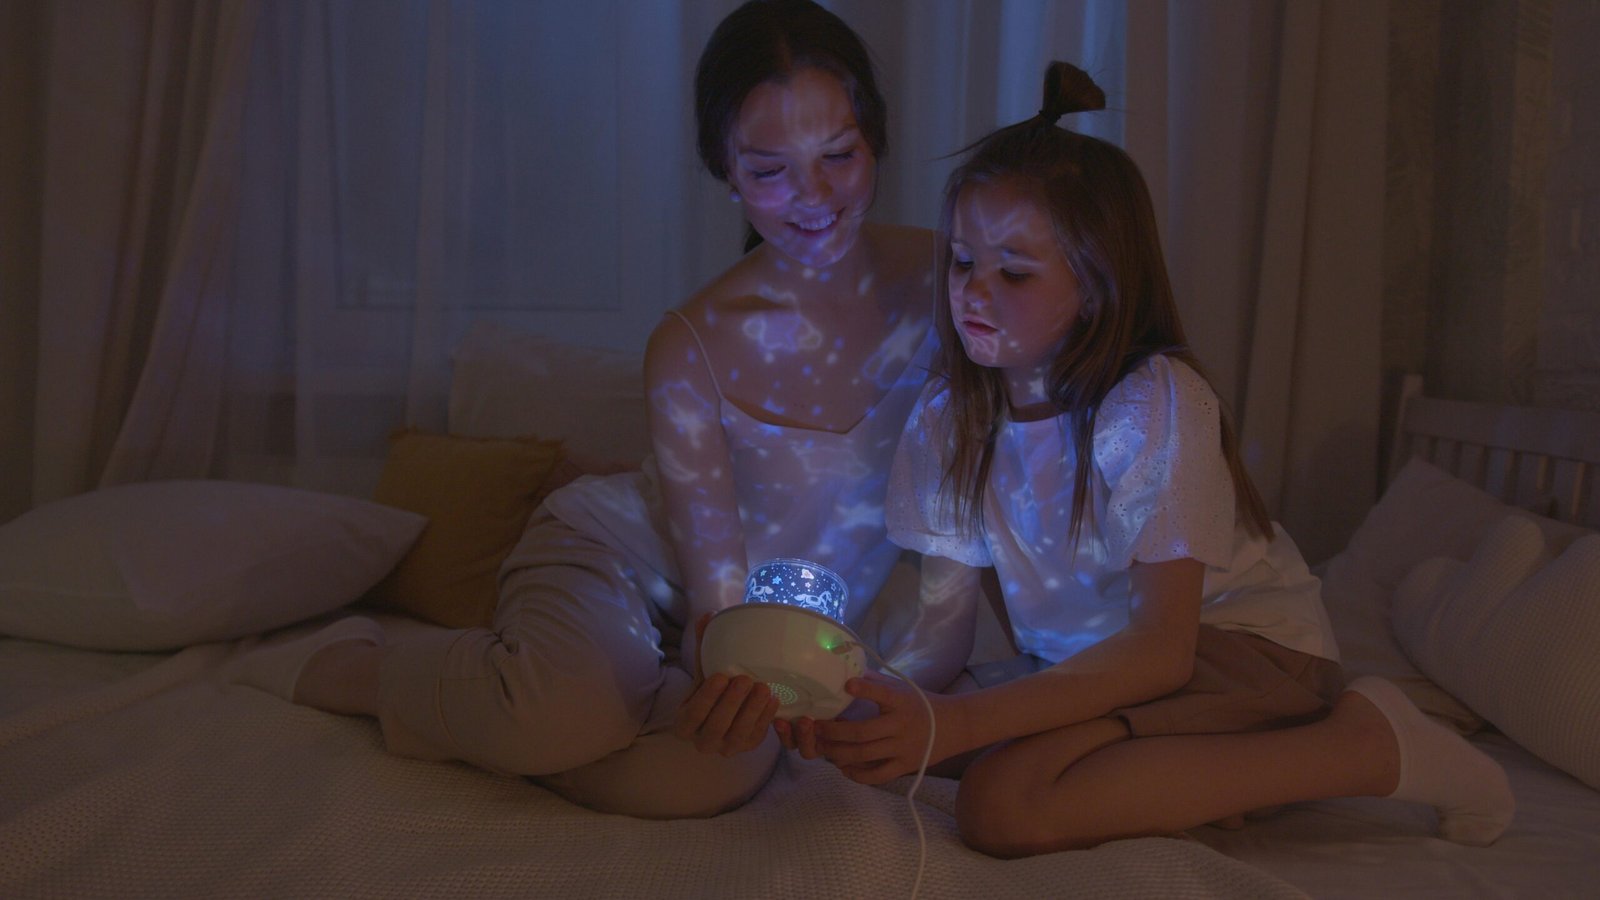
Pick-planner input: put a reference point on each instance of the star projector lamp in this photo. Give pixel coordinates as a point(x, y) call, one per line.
point(789, 632)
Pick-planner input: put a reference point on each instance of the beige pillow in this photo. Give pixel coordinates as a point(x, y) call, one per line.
point(477, 494)
point(1514, 635)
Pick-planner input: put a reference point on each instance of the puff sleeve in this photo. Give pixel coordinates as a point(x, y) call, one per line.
point(916, 517)
point(1158, 447)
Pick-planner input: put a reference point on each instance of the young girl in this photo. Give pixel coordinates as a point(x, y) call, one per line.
point(777, 395)
point(1178, 666)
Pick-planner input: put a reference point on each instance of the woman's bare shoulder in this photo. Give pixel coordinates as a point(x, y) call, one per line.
point(673, 339)
point(700, 317)
point(742, 288)
point(668, 346)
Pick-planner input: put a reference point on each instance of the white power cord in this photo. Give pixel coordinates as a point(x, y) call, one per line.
point(922, 769)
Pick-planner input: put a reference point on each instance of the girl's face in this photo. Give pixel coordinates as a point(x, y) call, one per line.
point(801, 167)
point(1012, 295)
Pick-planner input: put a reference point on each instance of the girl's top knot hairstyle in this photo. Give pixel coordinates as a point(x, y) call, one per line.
point(1068, 89)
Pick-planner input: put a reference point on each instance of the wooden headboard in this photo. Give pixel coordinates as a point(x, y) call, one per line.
point(1545, 460)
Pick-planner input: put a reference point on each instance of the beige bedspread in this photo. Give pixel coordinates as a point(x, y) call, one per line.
point(125, 776)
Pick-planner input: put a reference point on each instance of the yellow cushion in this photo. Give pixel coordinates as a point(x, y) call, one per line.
point(477, 494)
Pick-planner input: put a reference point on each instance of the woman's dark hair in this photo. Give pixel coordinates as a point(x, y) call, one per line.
point(766, 41)
point(1104, 223)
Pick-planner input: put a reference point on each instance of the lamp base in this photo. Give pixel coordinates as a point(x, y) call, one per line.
point(803, 657)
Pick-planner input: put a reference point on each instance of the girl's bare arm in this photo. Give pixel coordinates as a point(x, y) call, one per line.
point(1152, 656)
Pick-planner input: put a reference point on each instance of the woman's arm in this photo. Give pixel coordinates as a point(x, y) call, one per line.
point(1150, 657)
point(723, 715)
point(931, 641)
point(691, 452)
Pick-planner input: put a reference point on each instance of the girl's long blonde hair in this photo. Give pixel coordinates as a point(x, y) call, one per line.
point(1105, 224)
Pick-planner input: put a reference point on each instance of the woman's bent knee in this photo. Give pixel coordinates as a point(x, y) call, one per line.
point(510, 726)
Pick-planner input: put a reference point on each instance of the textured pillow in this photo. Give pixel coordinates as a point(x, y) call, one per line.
point(1441, 598)
point(477, 494)
point(1425, 512)
point(510, 383)
point(1515, 637)
point(161, 565)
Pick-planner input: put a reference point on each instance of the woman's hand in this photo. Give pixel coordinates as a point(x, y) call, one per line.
point(891, 744)
point(803, 732)
point(799, 734)
point(724, 715)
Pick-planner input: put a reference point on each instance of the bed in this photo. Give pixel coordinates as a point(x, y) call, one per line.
point(130, 764)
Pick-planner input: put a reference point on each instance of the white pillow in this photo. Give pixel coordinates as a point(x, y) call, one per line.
point(161, 565)
point(1425, 512)
point(1428, 512)
point(1358, 610)
point(514, 384)
point(1514, 634)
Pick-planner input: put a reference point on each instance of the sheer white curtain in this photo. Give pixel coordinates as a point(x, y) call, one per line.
point(138, 196)
point(405, 168)
point(413, 167)
point(1261, 128)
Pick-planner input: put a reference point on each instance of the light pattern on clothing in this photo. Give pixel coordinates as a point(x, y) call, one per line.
point(1160, 490)
point(803, 492)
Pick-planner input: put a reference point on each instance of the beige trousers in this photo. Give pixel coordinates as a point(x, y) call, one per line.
point(570, 686)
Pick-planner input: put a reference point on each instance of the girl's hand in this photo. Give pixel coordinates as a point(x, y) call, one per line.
point(724, 715)
point(891, 744)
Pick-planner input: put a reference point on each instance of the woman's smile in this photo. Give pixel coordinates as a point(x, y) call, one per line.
point(818, 225)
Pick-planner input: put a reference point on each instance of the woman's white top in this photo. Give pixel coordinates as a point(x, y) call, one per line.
point(1161, 491)
point(802, 492)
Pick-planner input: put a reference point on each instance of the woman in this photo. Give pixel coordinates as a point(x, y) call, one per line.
point(777, 394)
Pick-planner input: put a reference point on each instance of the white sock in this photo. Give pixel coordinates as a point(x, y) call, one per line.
point(276, 669)
point(1439, 768)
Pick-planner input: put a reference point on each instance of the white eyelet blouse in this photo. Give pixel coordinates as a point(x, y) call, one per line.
point(1161, 491)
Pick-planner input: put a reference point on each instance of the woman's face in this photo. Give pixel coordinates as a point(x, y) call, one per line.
point(802, 170)
point(1012, 294)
